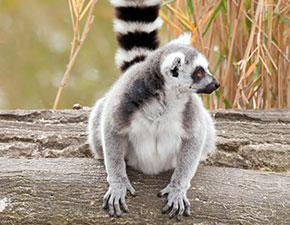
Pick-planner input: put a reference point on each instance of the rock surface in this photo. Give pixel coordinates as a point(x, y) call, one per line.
point(47, 175)
point(245, 139)
point(70, 191)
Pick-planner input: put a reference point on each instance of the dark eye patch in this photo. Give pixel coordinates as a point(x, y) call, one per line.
point(174, 72)
point(198, 73)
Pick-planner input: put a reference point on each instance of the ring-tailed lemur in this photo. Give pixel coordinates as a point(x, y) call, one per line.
point(151, 118)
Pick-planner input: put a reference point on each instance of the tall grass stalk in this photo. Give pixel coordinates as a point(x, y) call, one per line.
point(247, 44)
point(78, 9)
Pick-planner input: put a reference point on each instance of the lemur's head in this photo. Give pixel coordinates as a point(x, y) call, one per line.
point(185, 67)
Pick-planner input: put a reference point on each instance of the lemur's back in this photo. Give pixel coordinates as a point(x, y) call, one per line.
point(136, 25)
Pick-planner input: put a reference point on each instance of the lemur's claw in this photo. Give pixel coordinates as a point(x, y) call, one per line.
point(177, 202)
point(132, 190)
point(114, 196)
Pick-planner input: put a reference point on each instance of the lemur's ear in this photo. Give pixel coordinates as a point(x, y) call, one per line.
point(175, 65)
point(184, 39)
point(172, 63)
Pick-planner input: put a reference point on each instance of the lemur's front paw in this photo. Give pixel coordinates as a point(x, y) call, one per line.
point(115, 195)
point(176, 200)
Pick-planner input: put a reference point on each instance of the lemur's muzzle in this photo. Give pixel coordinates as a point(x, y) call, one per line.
point(209, 88)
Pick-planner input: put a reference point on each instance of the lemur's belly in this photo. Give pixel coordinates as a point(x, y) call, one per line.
point(155, 142)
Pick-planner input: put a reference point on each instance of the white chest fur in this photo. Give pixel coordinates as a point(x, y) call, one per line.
point(156, 135)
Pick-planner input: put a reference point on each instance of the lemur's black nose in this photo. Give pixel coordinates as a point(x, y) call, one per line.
point(217, 85)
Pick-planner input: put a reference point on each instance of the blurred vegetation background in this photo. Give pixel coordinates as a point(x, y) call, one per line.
point(35, 37)
point(247, 44)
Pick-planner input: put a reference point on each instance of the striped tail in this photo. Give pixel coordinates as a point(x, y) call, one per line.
point(136, 24)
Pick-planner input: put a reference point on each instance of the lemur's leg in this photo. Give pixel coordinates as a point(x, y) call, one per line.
point(115, 147)
point(94, 129)
point(187, 161)
point(210, 144)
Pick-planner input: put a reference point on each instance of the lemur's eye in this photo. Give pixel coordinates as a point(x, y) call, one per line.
point(198, 73)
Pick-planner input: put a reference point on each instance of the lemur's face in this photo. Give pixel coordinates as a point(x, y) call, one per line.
point(188, 72)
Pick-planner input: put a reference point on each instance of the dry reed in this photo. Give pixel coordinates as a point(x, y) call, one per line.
point(78, 9)
point(247, 44)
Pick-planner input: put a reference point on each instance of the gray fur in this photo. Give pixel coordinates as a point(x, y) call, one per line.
point(94, 128)
point(154, 105)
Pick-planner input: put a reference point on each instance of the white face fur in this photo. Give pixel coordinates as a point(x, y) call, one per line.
point(190, 76)
point(186, 68)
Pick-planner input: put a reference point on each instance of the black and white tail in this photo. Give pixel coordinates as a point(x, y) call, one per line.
point(136, 24)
